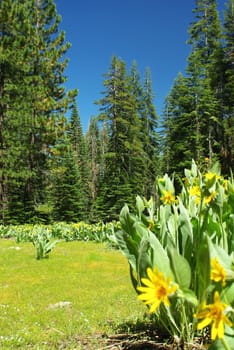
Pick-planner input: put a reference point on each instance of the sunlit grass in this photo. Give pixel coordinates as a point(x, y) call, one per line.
point(93, 278)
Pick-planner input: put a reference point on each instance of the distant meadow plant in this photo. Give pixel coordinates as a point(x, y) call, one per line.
point(180, 253)
point(43, 243)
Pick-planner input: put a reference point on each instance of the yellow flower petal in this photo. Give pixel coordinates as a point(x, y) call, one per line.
point(204, 323)
point(156, 289)
point(168, 197)
point(214, 314)
point(154, 306)
point(218, 274)
point(220, 330)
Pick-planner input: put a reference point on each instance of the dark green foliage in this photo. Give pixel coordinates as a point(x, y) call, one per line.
point(179, 129)
point(68, 201)
point(50, 170)
point(198, 116)
point(32, 104)
point(125, 112)
point(150, 135)
point(81, 159)
point(93, 150)
point(228, 87)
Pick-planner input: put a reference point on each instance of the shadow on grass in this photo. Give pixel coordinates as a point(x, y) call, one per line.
point(138, 335)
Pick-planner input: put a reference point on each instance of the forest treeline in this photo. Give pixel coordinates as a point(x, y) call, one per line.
point(50, 170)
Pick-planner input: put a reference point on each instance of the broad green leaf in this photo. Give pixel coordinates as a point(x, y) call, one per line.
point(140, 205)
point(133, 277)
point(144, 257)
point(202, 268)
point(228, 295)
point(185, 229)
point(159, 256)
point(188, 295)
point(128, 247)
point(218, 252)
point(180, 268)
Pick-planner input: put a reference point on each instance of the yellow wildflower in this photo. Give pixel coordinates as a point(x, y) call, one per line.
point(218, 274)
point(211, 176)
point(195, 192)
point(168, 197)
point(210, 198)
point(214, 314)
point(157, 289)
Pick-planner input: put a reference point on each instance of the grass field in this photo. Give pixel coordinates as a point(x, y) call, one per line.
point(81, 291)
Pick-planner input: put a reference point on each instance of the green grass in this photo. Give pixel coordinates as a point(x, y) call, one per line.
point(93, 278)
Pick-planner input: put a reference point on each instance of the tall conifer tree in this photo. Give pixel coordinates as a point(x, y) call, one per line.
point(150, 135)
point(13, 69)
point(205, 38)
point(193, 119)
point(228, 89)
point(124, 158)
point(32, 62)
point(93, 150)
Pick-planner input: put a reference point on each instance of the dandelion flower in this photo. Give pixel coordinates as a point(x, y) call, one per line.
point(218, 274)
point(214, 314)
point(157, 289)
point(168, 197)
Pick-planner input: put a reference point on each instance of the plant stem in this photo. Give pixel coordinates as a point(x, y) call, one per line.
point(225, 344)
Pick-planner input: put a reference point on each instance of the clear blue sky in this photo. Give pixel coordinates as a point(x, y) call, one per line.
point(151, 32)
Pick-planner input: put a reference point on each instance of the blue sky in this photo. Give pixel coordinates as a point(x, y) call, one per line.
point(151, 32)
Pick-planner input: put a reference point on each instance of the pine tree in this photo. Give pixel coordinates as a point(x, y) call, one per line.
point(124, 158)
point(205, 38)
point(32, 74)
point(68, 200)
point(76, 134)
point(13, 51)
point(93, 150)
point(143, 94)
point(228, 89)
point(46, 95)
point(80, 154)
point(104, 142)
point(179, 129)
point(150, 135)
point(193, 120)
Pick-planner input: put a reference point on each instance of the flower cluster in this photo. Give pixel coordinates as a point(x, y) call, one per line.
point(180, 250)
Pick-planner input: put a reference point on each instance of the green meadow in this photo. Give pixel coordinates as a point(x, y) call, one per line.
point(81, 293)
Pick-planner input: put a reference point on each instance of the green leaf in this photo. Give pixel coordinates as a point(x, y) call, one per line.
point(140, 205)
point(202, 268)
point(133, 277)
point(188, 295)
point(228, 294)
point(180, 268)
point(185, 230)
point(218, 252)
point(144, 257)
point(159, 255)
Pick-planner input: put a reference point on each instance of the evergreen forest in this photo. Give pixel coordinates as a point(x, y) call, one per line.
point(50, 170)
